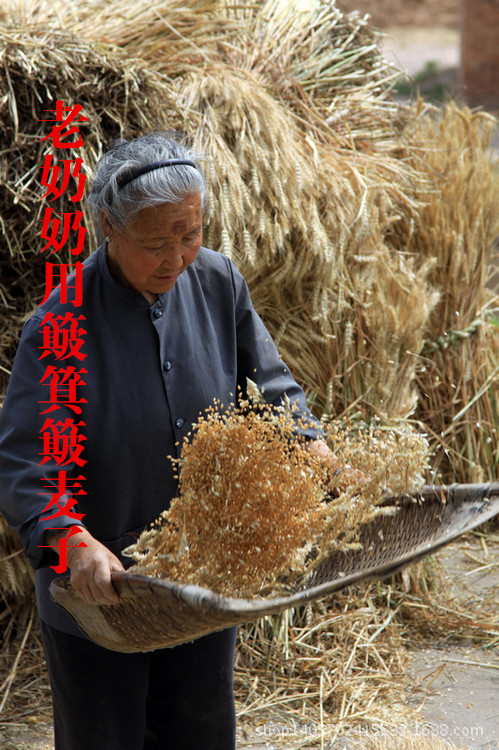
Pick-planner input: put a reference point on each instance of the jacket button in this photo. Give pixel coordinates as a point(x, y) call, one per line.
point(157, 312)
point(167, 365)
point(179, 423)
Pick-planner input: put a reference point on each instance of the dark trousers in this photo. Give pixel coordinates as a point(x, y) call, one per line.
point(172, 699)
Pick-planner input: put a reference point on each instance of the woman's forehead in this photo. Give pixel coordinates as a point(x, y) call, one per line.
point(170, 217)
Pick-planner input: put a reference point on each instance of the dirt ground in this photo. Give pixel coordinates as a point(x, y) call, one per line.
point(456, 687)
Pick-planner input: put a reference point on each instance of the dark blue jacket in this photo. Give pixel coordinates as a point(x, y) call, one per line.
point(151, 370)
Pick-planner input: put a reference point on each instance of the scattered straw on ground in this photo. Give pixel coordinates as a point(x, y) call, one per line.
point(322, 671)
point(332, 669)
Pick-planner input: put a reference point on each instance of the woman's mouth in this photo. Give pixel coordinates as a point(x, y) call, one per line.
point(166, 276)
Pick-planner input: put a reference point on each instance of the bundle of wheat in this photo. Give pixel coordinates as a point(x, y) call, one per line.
point(456, 230)
point(169, 36)
point(306, 225)
point(319, 61)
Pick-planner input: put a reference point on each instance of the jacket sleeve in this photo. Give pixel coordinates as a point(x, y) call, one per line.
point(27, 484)
point(259, 360)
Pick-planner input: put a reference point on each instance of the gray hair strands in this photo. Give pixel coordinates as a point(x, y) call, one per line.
point(129, 177)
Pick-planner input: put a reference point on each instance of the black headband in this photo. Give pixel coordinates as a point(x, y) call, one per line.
point(129, 176)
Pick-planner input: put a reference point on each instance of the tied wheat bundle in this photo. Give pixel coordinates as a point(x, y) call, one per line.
point(16, 573)
point(458, 233)
point(257, 510)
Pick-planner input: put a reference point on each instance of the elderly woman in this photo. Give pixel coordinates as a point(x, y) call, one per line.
point(168, 327)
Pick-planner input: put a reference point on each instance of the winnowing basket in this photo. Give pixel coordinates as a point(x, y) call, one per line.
point(156, 613)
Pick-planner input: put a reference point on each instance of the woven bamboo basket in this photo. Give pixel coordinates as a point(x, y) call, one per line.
point(157, 613)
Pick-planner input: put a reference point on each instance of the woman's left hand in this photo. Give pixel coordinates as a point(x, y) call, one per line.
point(344, 476)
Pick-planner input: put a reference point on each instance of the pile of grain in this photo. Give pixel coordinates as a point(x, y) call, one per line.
point(257, 510)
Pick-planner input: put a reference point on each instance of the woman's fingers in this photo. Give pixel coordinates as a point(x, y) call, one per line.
point(94, 585)
point(91, 568)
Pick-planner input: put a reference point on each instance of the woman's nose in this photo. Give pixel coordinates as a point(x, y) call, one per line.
point(173, 259)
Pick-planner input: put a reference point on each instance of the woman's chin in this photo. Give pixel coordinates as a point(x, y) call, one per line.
point(160, 284)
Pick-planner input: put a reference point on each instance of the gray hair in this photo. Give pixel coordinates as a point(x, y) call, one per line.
point(164, 185)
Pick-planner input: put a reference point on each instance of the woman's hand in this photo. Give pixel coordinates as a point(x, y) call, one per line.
point(320, 448)
point(91, 568)
point(341, 476)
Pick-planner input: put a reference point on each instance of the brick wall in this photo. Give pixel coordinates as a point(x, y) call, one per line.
point(479, 78)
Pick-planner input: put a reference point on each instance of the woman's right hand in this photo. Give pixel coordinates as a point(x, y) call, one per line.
point(91, 568)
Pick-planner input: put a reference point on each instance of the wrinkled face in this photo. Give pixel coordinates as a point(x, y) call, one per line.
point(150, 254)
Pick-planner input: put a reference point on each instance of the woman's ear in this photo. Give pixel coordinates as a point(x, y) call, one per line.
point(105, 224)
